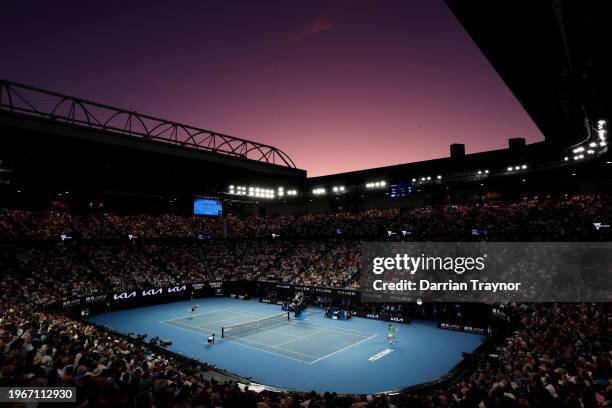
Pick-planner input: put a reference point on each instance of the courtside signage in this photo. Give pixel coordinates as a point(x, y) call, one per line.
point(380, 355)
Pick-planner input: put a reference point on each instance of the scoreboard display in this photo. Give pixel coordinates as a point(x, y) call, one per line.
point(208, 207)
point(400, 190)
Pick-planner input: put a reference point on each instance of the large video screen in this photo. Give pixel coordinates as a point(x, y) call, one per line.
point(400, 190)
point(207, 206)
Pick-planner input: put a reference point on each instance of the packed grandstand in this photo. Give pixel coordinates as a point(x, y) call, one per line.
point(312, 249)
point(558, 354)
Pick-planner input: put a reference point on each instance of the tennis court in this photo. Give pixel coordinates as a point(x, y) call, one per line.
point(344, 356)
point(275, 334)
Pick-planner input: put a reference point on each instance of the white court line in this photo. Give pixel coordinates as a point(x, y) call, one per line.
point(301, 338)
point(329, 328)
point(245, 345)
point(265, 330)
point(266, 351)
point(206, 325)
point(216, 321)
point(198, 314)
point(300, 322)
point(203, 314)
point(343, 349)
point(268, 345)
point(182, 328)
point(177, 325)
point(247, 312)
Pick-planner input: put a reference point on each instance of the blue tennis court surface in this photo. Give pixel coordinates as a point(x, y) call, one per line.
point(311, 354)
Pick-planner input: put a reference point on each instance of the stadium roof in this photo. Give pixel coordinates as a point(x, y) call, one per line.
point(536, 155)
point(53, 142)
point(28, 101)
point(552, 54)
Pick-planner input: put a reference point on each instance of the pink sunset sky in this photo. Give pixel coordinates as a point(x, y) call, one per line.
point(337, 85)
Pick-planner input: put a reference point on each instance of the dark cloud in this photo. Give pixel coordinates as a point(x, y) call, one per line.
point(319, 24)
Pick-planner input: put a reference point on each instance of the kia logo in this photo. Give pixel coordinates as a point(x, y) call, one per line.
point(124, 295)
point(177, 289)
point(152, 292)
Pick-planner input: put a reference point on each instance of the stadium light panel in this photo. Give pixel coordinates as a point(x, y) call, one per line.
point(376, 184)
point(578, 150)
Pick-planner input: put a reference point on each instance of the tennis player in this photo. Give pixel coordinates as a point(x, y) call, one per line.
point(391, 334)
point(194, 309)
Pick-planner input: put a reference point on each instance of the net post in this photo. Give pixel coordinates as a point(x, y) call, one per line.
point(222, 332)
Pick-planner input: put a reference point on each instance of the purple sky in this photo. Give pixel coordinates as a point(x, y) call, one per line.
point(338, 85)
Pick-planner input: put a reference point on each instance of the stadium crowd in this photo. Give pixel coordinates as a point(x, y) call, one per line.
point(560, 218)
point(168, 254)
point(559, 355)
point(58, 270)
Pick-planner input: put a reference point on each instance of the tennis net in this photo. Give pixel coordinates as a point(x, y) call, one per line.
point(259, 324)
